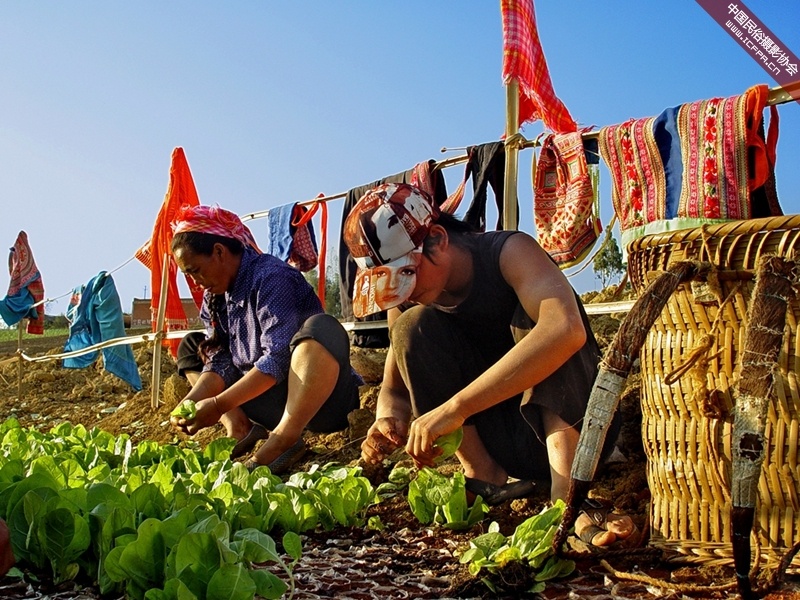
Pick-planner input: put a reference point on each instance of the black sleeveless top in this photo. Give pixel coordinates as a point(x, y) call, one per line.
point(492, 308)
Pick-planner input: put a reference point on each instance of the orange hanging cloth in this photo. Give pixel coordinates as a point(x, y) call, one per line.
point(181, 192)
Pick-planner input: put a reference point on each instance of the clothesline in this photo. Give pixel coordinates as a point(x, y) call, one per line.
point(599, 308)
point(46, 300)
point(120, 341)
point(776, 95)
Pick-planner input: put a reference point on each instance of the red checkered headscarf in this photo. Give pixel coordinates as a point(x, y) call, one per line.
point(213, 220)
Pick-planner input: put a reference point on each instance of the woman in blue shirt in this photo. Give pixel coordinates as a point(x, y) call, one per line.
point(274, 363)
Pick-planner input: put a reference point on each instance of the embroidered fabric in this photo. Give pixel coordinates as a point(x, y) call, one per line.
point(567, 225)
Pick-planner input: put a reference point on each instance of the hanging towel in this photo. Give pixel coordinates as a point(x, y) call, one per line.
point(689, 166)
point(181, 192)
point(95, 315)
point(25, 288)
point(567, 225)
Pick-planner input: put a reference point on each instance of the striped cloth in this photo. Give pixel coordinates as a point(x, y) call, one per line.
point(523, 60)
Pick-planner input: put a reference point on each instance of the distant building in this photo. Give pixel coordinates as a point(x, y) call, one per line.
point(140, 314)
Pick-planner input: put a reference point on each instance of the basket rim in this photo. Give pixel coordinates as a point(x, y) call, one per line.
point(742, 227)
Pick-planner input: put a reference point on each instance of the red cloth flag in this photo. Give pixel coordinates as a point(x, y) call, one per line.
point(523, 60)
point(181, 192)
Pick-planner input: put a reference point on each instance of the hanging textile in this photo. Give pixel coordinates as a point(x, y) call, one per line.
point(691, 165)
point(25, 289)
point(523, 60)
point(565, 216)
point(486, 165)
point(181, 192)
point(95, 315)
point(290, 237)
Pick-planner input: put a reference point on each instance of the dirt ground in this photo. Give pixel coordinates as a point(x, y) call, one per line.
point(405, 559)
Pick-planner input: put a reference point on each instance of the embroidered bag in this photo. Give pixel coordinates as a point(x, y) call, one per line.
point(564, 212)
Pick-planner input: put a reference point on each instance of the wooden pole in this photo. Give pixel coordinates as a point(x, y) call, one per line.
point(162, 309)
point(512, 157)
point(20, 360)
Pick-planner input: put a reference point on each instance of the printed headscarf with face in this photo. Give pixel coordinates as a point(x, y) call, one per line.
point(384, 232)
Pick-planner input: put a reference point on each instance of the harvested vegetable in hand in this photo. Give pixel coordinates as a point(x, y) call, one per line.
point(185, 409)
point(449, 443)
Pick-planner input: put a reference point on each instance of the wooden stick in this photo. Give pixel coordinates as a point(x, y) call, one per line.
point(512, 157)
point(759, 360)
point(19, 359)
point(162, 309)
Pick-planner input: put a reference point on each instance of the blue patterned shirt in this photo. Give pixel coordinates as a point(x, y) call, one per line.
point(268, 304)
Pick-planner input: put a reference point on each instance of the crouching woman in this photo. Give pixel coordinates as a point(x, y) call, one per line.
point(273, 363)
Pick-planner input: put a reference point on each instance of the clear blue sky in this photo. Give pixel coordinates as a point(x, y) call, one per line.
point(275, 102)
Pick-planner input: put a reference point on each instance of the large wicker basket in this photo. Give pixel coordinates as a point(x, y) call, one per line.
point(688, 452)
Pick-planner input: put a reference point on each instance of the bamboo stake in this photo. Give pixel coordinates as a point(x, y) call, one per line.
point(759, 360)
point(162, 309)
point(19, 359)
point(512, 157)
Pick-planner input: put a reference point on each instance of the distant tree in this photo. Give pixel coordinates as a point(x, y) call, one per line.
point(607, 263)
point(56, 322)
point(333, 303)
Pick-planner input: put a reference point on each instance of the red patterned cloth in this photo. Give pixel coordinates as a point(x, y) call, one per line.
point(523, 60)
point(638, 190)
point(564, 209)
point(181, 192)
point(304, 255)
point(715, 136)
point(693, 164)
point(25, 274)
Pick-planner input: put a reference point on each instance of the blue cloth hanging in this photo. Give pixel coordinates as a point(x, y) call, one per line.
point(95, 315)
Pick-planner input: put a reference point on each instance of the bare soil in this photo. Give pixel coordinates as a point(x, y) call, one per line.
point(404, 559)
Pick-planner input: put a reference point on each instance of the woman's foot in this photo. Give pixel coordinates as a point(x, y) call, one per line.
point(248, 441)
point(279, 453)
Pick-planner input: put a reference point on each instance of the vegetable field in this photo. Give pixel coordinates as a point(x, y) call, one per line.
point(105, 500)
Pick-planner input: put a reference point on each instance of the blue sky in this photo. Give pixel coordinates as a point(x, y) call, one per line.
point(275, 102)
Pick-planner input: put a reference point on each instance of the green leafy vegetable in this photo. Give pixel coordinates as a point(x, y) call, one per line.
point(449, 444)
point(441, 499)
point(185, 409)
point(531, 542)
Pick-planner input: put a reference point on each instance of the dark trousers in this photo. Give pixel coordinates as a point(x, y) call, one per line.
point(436, 360)
point(267, 408)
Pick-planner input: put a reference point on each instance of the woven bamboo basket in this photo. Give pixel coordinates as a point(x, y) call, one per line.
point(688, 448)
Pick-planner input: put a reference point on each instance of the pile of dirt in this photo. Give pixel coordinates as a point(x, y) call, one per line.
point(404, 559)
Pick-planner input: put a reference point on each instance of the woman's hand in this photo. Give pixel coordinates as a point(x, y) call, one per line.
point(207, 415)
point(384, 437)
point(426, 429)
